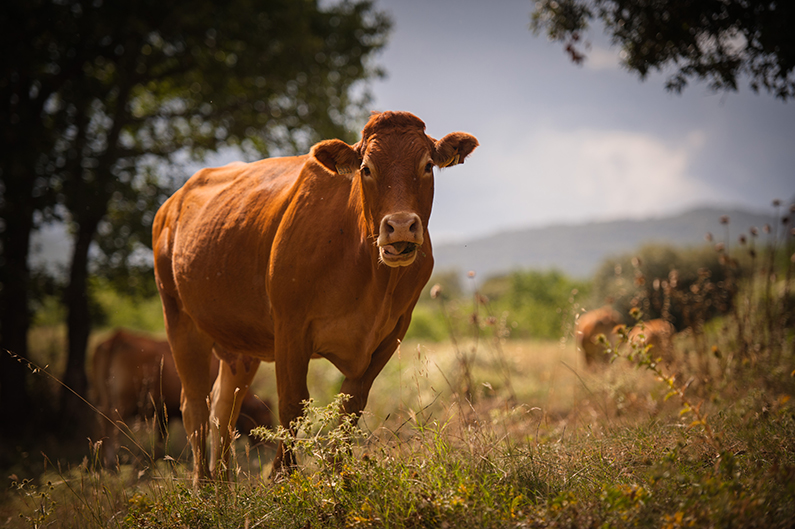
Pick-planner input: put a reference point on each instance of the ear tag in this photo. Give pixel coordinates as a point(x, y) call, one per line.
point(453, 161)
point(344, 169)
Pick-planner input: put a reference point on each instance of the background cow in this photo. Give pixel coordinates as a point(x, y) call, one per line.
point(657, 333)
point(285, 258)
point(134, 378)
point(587, 329)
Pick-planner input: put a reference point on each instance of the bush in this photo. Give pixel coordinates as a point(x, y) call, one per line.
point(684, 286)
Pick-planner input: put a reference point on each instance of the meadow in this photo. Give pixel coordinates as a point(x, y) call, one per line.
point(485, 427)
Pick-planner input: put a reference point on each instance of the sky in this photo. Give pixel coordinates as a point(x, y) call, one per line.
point(565, 144)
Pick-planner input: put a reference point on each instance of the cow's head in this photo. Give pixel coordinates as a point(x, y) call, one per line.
point(392, 172)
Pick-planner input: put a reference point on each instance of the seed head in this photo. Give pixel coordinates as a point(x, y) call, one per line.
point(719, 247)
point(471, 273)
point(776, 203)
point(766, 228)
point(742, 239)
point(724, 219)
point(708, 237)
point(753, 231)
point(436, 291)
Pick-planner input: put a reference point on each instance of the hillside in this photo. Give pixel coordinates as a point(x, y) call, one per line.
point(578, 250)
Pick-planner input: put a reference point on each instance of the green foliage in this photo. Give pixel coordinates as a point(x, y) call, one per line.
point(540, 303)
point(114, 309)
point(427, 324)
point(720, 42)
point(533, 304)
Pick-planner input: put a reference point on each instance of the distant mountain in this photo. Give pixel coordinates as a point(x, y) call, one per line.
point(577, 250)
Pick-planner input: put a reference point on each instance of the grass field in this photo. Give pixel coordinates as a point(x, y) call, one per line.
point(479, 434)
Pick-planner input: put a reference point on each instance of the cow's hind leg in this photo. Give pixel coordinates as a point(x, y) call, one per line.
point(192, 350)
point(227, 396)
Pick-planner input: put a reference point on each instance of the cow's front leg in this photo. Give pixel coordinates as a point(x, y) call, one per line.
point(228, 391)
point(358, 388)
point(291, 371)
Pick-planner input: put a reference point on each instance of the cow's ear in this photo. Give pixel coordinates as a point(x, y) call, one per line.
point(453, 148)
point(337, 156)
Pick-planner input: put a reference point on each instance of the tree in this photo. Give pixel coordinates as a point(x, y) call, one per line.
point(719, 41)
point(99, 98)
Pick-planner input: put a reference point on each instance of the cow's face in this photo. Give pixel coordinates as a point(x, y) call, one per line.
point(392, 168)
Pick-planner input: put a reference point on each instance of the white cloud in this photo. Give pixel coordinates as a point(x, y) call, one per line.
point(553, 176)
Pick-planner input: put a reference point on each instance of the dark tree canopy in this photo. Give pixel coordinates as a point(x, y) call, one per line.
point(718, 41)
point(98, 97)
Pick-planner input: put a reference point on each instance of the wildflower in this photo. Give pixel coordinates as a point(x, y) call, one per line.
point(766, 228)
point(471, 273)
point(724, 219)
point(753, 231)
point(776, 203)
point(742, 239)
point(719, 247)
point(708, 237)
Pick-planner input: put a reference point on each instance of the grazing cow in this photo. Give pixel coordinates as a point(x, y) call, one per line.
point(284, 259)
point(134, 377)
point(588, 328)
point(657, 333)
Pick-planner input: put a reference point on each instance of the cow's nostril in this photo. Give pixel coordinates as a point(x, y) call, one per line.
point(389, 227)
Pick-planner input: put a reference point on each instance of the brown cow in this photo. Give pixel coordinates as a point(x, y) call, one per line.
point(589, 326)
point(657, 333)
point(128, 385)
point(278, 260)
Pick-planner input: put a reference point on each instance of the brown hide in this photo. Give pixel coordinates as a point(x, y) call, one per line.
point(278, 260)
point(588, 328)
point(134, 377)
point(656, 333)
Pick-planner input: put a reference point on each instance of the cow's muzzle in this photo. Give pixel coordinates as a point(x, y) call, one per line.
point(399, 238)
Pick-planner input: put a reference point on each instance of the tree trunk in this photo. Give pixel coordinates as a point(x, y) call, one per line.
point(14, 322)
point(78, 326)
point(17, 219)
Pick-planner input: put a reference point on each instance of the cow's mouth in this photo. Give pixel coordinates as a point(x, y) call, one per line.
point(398, 253)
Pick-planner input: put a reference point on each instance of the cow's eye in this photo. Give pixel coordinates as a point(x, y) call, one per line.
point(365, 170)
point(429, 167)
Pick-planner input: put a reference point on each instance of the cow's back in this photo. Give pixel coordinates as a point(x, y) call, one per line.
point(212, 241)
